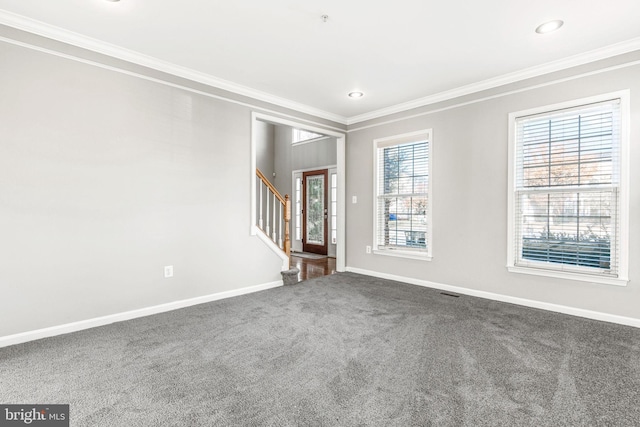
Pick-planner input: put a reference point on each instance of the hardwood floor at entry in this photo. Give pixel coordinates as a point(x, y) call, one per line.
point(310, 268)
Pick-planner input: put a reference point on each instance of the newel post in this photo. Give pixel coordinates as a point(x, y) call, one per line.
point(287, 220)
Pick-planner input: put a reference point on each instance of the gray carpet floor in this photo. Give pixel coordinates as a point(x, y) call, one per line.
point(341, 350)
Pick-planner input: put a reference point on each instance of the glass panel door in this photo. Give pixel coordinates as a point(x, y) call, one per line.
point(315, 212)
point(315, 209)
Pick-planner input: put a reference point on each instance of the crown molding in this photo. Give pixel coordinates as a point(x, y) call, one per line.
point(59, 34)
point(550, 67)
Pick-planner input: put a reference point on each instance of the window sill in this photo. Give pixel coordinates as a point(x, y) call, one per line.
point(307, 141)
point(569, 276)
point(423, 256)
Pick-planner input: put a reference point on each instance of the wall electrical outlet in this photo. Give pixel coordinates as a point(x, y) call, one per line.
point(168, 271)
point(354, 199)
point(368, 249)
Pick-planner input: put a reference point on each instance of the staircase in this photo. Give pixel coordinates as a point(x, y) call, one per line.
point(273, 219)
point(274, 214)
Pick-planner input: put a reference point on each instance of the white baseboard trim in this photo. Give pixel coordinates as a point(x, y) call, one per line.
point(128, 315)
point(595, 315)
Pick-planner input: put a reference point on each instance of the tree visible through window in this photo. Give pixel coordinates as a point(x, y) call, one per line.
point(567, 189)
point(403, 194)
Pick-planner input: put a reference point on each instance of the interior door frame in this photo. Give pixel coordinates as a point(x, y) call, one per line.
point(310, 247)
point(296, 245)
point(341, 146)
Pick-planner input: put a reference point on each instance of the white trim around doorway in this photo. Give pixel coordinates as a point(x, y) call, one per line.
point(340, 166)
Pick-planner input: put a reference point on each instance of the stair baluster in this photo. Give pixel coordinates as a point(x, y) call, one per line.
point(277, 218)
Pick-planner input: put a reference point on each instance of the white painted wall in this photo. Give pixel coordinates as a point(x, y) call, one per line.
point(470, 192)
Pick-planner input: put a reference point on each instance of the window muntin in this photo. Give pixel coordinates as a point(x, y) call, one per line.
point(567, 190)
point(402, 194)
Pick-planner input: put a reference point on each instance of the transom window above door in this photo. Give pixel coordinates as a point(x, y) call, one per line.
point(301, 135)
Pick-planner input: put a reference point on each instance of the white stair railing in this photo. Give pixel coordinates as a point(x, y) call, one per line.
point(274, 213)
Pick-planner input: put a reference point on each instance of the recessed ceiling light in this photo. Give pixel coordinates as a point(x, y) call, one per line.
point(113, 0)
point(549, 27)
point(356, 94)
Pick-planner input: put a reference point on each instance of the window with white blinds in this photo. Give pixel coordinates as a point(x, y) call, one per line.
point(402, 202)
point(566, 190)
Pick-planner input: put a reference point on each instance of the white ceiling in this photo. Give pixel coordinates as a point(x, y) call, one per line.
point(396, 52)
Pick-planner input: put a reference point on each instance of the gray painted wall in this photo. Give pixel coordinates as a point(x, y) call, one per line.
point(265, 148)
point(314, 154)
point(305, 156)
point(470, 196)
point(105, 178)
point(282, 160)
point(289, 158)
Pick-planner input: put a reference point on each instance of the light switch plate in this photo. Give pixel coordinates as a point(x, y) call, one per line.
point(168, 271)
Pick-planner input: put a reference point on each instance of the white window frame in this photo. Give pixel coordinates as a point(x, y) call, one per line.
point(297, 208)
point(333, 206)
point(298, 136)
point(406, 138)
point(623, 194)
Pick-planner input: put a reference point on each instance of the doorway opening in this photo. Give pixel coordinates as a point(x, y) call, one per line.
point(315, 184)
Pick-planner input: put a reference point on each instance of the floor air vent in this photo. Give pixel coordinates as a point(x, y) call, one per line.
point(449, 295)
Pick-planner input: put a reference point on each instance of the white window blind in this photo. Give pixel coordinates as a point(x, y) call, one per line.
point(402, 194)
point(566, 192)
